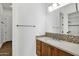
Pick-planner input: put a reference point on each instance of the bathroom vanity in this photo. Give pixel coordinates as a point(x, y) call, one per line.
point(62, 39)
point(46, 46)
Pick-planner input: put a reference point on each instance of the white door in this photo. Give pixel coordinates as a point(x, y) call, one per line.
point(25, 17)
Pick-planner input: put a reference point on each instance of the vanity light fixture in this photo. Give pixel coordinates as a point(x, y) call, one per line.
point(51, 7)
point(55, 6)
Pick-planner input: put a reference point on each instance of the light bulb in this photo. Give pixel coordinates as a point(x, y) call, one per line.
point(54, 4)
point(50, 8)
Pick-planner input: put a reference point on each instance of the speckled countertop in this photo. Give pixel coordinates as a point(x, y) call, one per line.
point(69, 47)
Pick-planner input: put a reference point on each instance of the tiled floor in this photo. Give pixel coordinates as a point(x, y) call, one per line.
point(6, 49)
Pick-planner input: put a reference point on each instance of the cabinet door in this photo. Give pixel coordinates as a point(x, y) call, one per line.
point(44, 49)
point(49, 48)
point(38, 47)
point(53, 51)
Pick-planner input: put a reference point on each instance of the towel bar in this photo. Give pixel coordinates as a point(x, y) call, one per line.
point(25, 25)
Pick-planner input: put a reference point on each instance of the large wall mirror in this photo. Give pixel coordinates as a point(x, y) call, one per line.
point(73, 24)
point(64, 20)
point(69, 18)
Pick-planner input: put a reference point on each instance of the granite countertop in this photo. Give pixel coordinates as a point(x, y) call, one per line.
point(69, 47)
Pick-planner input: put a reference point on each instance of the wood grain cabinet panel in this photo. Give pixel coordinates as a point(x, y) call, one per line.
point(57, 52)
point(38, 47)
point(54, 51)
point(63, 53)
point(49, 50)
point(44, 49)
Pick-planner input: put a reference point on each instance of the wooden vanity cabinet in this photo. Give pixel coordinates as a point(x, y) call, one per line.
point(44, 49)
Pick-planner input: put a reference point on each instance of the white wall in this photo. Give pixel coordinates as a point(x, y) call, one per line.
point(53, 19)
point(53, 22)
point(24, 38)
point(41, 18)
